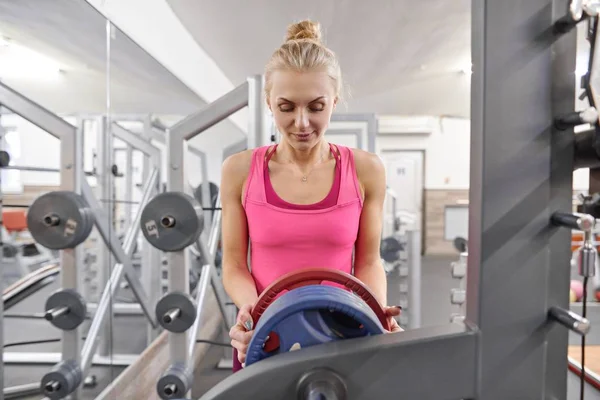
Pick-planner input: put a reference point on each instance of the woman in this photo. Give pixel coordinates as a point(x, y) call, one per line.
point(303, 202)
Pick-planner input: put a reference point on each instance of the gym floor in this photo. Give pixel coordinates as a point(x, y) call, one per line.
point(436, 309)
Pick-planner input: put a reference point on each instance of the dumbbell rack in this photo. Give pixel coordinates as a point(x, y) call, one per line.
point(458, 296)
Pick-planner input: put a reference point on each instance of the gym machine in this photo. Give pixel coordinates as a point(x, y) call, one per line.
point(62, 220)
point(512, 343)
point(159, 135)
point(173, 221)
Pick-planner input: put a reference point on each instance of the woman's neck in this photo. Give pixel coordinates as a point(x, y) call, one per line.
point(312, 156)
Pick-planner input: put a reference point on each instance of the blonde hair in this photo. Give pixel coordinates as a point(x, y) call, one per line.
point(303, 51)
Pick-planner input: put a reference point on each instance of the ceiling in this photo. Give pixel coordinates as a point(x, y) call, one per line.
point(74, 34)
point(398, 57)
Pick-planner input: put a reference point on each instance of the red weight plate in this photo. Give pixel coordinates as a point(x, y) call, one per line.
point(315, 276)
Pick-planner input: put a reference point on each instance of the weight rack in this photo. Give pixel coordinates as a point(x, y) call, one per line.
point(72, 180)
point(508, 347)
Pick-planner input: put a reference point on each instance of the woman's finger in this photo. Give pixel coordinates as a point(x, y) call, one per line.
point(244, 318)
point(239, 346)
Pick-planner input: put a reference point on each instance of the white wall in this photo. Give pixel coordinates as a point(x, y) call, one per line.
point(444, 140)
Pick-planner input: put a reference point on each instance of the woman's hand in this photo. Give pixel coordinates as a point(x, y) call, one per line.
point(242, 332)
point(392, 312)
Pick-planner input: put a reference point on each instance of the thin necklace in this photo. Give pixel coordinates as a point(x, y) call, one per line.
point(305, 177)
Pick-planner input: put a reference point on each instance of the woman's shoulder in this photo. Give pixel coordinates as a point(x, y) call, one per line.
point(367, 163)
point(236, 167)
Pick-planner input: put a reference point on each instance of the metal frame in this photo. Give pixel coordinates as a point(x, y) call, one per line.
point(235, 148)
point(359, 133)
point(508, 347)
point(2, 239)
point(369, 119)
point(181, 345)
point(71, 152)
point(158, 134)
point(72, 179)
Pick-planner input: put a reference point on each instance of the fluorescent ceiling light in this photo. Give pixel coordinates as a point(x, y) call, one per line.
point(18, 62)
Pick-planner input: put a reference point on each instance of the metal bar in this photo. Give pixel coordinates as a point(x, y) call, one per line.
point(414, 276)
point(369, 119)
point(122, 256)
point(205, 186)
point(256, 134)
point(2, 239)
point(235, 148)
point(157, 135)
point(49, 358)
point(151, 270)
point(118, 308)
point(27, 389)
point(34, 113)
point(200, 297)
point(215, 279)
point(179, 261)
point(26, 168)
point(134, 140)
point(39, 169)
point(71, 179)
point(512, 246)
point(360, 143)
point(123, 117)
point(112, 285)
point(216, 282)
point(104, 190)
point(206, 190)
point(212, 113)
point(128, 184)
point(369, 366)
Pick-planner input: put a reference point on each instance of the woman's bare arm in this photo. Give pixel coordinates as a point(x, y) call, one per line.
point(367, 262)
point(237, 280)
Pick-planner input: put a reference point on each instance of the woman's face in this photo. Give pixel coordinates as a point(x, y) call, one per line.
point(302, 104)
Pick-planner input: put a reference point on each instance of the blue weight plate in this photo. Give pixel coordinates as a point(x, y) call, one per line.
point(312, 315)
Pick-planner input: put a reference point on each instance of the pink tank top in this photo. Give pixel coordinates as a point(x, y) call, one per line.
point(286, 237)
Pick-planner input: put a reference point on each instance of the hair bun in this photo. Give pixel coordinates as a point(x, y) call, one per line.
point(304, 30)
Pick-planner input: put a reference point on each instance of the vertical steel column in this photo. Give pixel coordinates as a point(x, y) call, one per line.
point(373, 129)
point(151, 269)
point(104, 161)
point(256, 130)
point(1, 271)
point(71, 173)
point(128, 184)
point(205, 190)
point(521, 172)
point(179, 261)
point(414, 278)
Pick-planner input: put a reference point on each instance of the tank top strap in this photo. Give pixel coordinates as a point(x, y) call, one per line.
point(350, 186)
point(254, 185)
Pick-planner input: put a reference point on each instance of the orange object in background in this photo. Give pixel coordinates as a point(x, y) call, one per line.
point(577, 240)
point(14, 220)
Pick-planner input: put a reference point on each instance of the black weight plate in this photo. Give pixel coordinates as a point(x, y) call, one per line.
point(186, 217)
point(76, 305)
point(187, 312)
point(73, 225)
